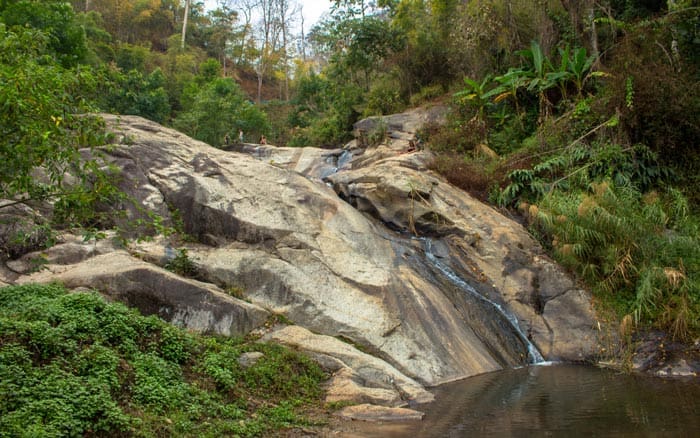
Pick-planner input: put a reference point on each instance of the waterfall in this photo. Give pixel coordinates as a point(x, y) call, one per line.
point(533, 353)
point(343, 160)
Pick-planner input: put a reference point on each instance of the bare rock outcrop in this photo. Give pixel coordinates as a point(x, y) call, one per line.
point(495, 253)
point(358, 377)
point(363, 245)
point(154, 291)
point(297, 249)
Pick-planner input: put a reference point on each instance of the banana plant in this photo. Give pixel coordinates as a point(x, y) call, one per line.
point(512, 81)
point(542, 77)
point(478, 94)
point(579, 65)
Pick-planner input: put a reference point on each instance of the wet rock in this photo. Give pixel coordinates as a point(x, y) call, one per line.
point(658, 354)
point(677, 368)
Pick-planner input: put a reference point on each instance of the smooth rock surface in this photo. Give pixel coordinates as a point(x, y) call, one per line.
point(309, 255)
point(367, 412)
point(497, 254)
point(369, 370)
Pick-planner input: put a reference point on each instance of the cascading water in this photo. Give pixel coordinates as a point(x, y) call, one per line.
point(533, 354)
point(336, 163)
point(343, 160)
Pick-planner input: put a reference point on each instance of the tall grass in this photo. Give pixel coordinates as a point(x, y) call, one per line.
point(643, 251)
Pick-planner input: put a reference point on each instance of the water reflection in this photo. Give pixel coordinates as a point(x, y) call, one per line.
point(555, 401)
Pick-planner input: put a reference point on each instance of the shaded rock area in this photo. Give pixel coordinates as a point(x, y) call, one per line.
point(22, 229)
point(154, 291)
point(392, 278)
point(657, 353)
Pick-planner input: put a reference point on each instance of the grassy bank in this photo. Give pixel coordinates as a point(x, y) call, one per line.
point(72, 364)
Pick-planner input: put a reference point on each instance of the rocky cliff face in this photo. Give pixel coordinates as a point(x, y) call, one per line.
point(361, 246)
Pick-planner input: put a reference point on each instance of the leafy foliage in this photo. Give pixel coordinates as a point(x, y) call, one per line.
point(56, 20)
point(220, 108)
point(590, 148)
point(43, 127)
point(576, 166)
point(137, 94)
point(181, 264)
point(325, 110)
point(641, 250)
point(72, 364)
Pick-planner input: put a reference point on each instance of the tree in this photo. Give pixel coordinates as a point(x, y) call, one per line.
point(56, 19)
point(134, 93)
point(184, 24)
point(287, 11)
point(44, 125)
point(270, 29)
point(242, 49)
point(221, 108)
point(221, 33)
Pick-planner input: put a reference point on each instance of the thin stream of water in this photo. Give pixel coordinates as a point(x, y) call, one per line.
point(533, 353)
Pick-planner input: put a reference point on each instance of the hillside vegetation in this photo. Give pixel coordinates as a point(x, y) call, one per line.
point(72, 364)
point(581, 117)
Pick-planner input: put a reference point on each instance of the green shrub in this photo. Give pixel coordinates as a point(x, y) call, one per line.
point(72, 364)
point(642, 251)
point(218, 108)
point(427, 94)
point(182, 264)
point(384, 97)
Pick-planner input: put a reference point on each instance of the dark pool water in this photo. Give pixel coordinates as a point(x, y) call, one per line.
point(561, 400)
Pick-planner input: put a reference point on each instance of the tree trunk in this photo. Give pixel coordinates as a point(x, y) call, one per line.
point(303, 37)
point(582, 16)
point(184, 24)
point(572, 7)
point(594, 36)
point(286, 61)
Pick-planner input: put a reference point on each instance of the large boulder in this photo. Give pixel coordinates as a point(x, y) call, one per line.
point(493, 252)
point(297, 249)
point(329, 263)
point(382, 254)
point(188, 303)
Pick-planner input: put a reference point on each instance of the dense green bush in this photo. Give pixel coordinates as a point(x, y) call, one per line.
point(641, 251)
point(133, 93)
point(72, 364)
point(590, 148)
point(44, 124)
point(218, 109)
point(54, 18)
